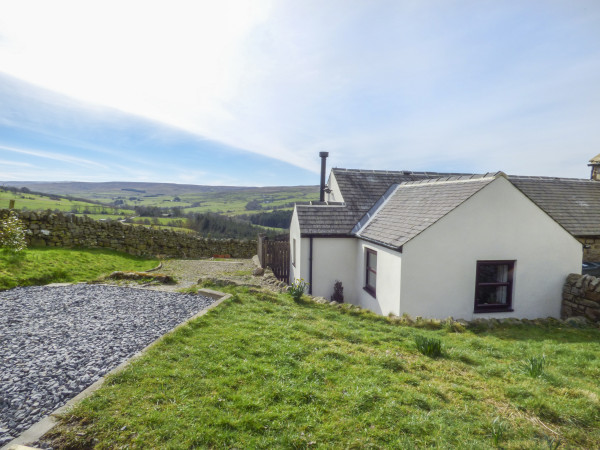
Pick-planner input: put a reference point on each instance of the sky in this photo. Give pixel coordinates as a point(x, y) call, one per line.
point(249, 92)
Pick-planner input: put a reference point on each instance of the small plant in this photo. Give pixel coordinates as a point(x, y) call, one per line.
point(429, 346)
point(12, 233)
point(296, 290)
point(552, 442)
point(338, 292)
point(498, 430)
point(534, 366)
point(453, 326)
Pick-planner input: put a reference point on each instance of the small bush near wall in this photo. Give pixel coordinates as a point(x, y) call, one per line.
point(338, 292)
point(12, 233)
point(49, 229)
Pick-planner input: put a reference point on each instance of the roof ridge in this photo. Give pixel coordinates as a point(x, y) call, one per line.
point(398, 172)
point(547, 178)
point(455, 179)
point(317, 203)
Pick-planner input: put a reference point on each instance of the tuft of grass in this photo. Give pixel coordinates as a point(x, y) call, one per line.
point(534, 366)
point(189, 290)
point(39, 266)
point(264, 371)
point(498, 430)
point(431, 347)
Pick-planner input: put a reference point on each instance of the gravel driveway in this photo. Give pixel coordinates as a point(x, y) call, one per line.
point(56, 341)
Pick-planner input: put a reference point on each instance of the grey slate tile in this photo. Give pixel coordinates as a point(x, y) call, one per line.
point(573, 203)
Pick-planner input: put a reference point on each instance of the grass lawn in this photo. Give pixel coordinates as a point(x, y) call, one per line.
point(35, 266)
point(34, 202)
point(262, 371)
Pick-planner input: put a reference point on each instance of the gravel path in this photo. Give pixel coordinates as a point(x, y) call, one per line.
point(56, 341)
point(188, 271)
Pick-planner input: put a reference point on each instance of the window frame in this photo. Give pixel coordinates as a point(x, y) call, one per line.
point(495, 307)
point(372, 290)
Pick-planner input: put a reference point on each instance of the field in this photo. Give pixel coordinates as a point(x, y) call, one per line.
point(163, 205)
point(42, 266)
point(34, 202)
point(263, 371)
point(226, 200)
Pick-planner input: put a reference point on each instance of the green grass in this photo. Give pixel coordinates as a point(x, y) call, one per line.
point(37, 266)
point(34, 202)
point(221, 200)
point(431, 347)
point(263, 371)
point(534, 366)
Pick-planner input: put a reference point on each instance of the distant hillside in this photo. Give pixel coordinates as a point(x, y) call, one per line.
point(115, 188)
point(218, 211)
point(259, 205)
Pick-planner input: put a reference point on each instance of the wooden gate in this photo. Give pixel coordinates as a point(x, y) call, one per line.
point(274, 253)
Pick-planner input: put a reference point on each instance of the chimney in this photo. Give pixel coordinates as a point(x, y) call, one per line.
point(324, 156)
point(595, 165)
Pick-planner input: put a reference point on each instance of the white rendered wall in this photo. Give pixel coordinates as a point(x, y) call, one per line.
point(497, 223)
point(333, 259)
point(297, 271)
point(387, 289)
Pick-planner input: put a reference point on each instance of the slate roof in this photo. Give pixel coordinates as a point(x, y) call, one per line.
point(413, 207)
point(326, 219)
point(573, 203)
point(362, 188)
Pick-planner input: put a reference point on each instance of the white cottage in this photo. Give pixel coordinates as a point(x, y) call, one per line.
point(433, 245)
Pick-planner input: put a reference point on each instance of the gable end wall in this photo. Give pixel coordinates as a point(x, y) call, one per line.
point(497, 223)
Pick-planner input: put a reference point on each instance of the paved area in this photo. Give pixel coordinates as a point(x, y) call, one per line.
point(55, 341)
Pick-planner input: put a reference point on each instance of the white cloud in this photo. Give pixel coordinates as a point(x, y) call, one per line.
point(60, 157)
point(14, 163)
point(378, 84)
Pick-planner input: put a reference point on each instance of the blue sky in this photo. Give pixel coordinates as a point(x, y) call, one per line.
point(248, 93)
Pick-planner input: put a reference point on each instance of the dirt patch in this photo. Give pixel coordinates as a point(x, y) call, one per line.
point(190, 272)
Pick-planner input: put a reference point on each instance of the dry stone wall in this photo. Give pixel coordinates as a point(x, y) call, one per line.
point(50, 229)
point(591, 248)
point(581, 297)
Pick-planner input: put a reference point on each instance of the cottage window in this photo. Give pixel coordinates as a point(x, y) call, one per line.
point(371, 271)
point(494, 286)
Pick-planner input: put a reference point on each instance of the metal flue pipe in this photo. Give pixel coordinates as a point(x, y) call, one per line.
point(323, 156)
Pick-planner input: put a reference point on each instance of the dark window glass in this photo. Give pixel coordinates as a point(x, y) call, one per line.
point(493, 289)
point(371, 275)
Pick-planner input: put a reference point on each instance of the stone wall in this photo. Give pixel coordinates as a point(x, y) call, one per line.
point(49, 229)
point(581, 297)
point(591, 248)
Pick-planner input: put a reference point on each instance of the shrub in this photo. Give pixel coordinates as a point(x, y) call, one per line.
point(338, 292)
point(296, 290)
point(429, 346)
point(12, 233)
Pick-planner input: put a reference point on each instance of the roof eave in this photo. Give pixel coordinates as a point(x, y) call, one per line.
point(326, 235)
point(382, 244)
